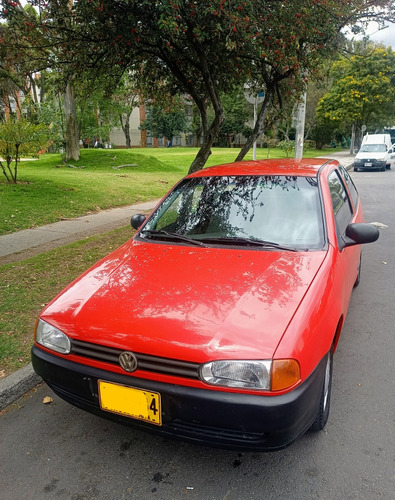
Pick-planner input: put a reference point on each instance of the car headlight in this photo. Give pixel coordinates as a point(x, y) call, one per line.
point(357, 160)
point(52, 338)
point(263, 375)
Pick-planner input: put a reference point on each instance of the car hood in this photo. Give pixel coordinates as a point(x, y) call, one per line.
point(191, 303)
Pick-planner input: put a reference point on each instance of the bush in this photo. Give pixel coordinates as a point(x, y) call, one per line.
point(17, 138)
point(286, 146)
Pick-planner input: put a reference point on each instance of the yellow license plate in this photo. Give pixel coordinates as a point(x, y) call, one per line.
point(130, 402)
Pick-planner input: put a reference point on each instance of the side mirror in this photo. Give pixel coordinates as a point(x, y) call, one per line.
point(360, 233)
point(137, 220)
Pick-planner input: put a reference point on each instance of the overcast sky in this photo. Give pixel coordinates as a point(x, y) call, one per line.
point(386, 36)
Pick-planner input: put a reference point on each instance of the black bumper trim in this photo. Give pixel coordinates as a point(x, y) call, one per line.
point(223, 419)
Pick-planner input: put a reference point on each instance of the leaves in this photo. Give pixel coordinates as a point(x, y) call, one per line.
point(362, 92)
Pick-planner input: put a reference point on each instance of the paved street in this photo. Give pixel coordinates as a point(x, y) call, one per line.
point(57, 451)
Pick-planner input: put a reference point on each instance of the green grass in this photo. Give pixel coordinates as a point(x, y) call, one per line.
point(48, 191)
point(26, 286)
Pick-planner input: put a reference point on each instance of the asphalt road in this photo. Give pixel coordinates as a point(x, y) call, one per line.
point(51, 451)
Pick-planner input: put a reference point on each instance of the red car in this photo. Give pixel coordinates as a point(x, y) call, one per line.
point(217, 322)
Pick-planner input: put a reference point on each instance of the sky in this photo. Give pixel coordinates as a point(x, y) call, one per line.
point(386, 36)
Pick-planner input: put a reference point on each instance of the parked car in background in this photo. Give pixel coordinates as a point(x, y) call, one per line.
point(218, 321)
point(376, 153)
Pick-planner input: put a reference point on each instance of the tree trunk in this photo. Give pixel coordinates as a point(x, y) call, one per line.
point(352, 145)
point(126, 128)
point(72, 134)
point(209, 137)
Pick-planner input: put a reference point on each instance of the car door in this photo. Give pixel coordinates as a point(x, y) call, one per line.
point(344, 214)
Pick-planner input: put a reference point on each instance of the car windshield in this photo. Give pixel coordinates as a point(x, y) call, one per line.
point(373, 148)
point(283, 210)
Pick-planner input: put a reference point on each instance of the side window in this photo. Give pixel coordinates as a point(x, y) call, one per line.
point(340, 202)
point(351, 186)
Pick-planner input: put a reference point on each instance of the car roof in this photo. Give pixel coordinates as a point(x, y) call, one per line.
point(306, 167)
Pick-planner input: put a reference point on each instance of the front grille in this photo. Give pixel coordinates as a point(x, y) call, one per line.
point(146, 362)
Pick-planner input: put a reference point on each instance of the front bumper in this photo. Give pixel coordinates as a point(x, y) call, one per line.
point(222, 419)
point(370, 164)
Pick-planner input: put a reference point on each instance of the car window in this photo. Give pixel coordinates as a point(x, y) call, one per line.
point(373, 148)
point(351, 186)
point(340, 202)
point(281, 209)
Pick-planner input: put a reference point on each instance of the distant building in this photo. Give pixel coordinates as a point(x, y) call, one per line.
point(140, 138)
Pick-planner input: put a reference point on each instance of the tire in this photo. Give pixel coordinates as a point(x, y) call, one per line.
point(325, 399)
point(358, 279)
point(355, 169)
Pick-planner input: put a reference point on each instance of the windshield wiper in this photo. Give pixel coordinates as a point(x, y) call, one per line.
point(249, 241)
point(161, 233)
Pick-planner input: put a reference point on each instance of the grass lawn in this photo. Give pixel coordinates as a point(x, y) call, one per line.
point(48, 191)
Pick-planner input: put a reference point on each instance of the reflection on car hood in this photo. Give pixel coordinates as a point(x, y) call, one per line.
point(184, 302)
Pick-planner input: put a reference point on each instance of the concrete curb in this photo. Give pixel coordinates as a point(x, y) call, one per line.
point(17, 384)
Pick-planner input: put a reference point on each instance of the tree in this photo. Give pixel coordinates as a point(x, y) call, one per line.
point(166, 122)
point(363, 92)
point(202, 49)
point(238, 112)
point(124, 99)
point(17, 74)
point(17, 138)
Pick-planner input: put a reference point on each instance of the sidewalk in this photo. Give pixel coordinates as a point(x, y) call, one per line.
point(29, 242)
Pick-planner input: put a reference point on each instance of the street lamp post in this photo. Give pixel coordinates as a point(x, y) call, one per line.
point(254, 99)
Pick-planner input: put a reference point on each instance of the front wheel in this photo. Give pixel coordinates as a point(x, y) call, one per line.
point(323, 411)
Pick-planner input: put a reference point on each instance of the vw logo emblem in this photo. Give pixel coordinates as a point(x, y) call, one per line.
point(128, 361)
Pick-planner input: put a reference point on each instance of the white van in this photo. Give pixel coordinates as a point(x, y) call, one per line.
point(377, 152)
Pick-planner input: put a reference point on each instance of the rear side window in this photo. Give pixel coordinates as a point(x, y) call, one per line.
point(340, 202)
point(351, 186)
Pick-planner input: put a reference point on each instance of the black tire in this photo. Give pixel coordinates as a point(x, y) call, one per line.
point(358, 279)
point(325, 400)
point(355, 169)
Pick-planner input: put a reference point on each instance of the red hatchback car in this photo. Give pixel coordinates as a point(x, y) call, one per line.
point(217, 322)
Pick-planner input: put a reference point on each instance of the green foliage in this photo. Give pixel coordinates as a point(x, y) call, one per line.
point(322, 134)
point(237, 113)
point(166, 122)
point(363, 92)
point(18, 138)
point(287, 146)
